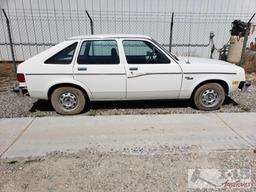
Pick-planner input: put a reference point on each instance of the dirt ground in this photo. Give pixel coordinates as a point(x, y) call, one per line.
point(250, 61)
point(91, 170)
point(96, 171)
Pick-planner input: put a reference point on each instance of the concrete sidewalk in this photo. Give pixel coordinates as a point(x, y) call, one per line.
point(20, 137)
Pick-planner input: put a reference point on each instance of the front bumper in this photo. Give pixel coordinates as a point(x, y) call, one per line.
point(243, 85)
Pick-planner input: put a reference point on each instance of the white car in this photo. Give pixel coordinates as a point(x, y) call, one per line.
point(124, 67)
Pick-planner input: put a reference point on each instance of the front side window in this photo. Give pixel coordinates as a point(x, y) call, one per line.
point(65, 56)
point(143, 52)
point(98, 52)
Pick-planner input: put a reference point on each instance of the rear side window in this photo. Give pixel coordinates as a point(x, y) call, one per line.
point(98, 52)
point(65, 56)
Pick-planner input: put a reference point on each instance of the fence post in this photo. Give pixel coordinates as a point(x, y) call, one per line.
point(91, 21)
point(10, 40)
point(248, 26)
point(171, 31)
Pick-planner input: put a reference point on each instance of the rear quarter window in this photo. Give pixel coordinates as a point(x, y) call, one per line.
point(65, 56)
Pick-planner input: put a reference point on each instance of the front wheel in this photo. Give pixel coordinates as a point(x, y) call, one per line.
point(209, 97)
point(68, 100)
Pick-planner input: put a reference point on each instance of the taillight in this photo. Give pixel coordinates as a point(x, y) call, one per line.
point(21, 77)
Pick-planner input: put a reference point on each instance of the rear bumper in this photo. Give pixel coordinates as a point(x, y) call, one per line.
point(243, 85)
point(21, 91)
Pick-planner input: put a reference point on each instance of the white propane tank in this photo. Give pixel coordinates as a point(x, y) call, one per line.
point(235, 49)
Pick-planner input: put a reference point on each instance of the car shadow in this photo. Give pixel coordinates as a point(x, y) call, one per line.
point(41, 105)
point(230, 101)
point(140, 104)
point(44, 105)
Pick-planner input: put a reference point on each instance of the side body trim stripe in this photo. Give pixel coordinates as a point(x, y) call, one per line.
point(186, 73)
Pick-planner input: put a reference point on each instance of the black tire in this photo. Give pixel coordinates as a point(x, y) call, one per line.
point(68, 100)
point(209, 97)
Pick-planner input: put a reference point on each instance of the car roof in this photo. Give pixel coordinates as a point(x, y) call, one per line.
point(102, 36)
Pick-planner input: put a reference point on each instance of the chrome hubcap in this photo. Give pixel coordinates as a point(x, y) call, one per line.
point(209, 97)
point(68, 101)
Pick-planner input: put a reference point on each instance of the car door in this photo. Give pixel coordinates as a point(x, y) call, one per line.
point(151, 74)
point(98, 67)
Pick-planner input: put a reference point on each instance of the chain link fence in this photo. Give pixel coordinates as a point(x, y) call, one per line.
point(34, 30)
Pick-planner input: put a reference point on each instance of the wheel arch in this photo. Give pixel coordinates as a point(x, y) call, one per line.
point(223, 83)
point(53, 87)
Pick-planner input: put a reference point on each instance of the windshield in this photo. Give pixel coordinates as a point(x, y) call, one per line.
point(167, 52)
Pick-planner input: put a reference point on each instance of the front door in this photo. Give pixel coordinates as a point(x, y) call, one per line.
point(151, 74)
point(98, 67)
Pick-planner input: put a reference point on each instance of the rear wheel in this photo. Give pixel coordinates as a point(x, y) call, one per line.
point(209, 97)
point(68, 100)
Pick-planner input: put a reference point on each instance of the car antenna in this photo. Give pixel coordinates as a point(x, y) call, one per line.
point(189, 48)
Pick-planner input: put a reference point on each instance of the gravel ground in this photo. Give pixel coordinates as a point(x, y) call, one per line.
point(13, 105)
point(96, 171)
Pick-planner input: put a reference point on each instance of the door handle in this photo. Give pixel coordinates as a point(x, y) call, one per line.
point(133, 68)
point(82, 69)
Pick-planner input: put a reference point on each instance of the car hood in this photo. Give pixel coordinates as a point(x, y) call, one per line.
point(203, 65)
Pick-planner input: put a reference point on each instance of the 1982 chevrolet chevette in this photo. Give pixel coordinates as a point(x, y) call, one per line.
point(124, 67)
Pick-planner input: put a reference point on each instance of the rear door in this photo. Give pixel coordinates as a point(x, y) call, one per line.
point(151, 74)
point(98, 66)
